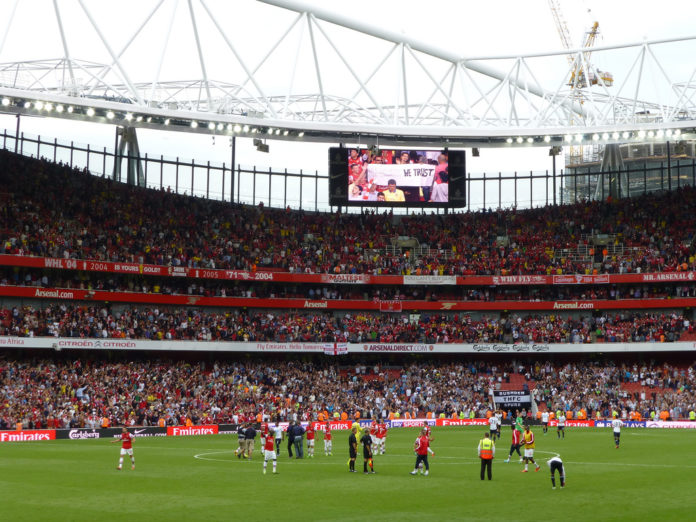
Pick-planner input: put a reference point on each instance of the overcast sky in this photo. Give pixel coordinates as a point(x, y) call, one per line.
point(467, 28)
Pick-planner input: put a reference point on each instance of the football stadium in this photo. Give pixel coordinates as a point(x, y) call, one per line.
point(339, 261)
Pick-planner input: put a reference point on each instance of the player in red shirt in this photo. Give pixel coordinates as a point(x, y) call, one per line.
point(126, 440)
point(422, 448)
point(269, 454)
point(310, 440)
point(381, 437)
point(327, 439)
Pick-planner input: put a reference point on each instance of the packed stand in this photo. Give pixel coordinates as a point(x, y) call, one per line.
point(192, 324)
point(60, 393)
point(54, 211)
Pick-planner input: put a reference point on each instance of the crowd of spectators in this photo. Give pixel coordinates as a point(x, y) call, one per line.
point(193, 324)
point(59, 393)
point(51, 210)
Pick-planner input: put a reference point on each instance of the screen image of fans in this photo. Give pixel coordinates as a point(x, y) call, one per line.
point(397, 176)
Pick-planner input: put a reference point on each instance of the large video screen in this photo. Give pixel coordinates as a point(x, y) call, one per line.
point(396, 177)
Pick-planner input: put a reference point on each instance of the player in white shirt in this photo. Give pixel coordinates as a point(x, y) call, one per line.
point(278, 436)
point(545, 421)
point(556, 464)
point(560, 429)
point(493, 425)
point(617, 424)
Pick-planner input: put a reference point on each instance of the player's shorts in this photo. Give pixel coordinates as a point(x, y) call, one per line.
point(560, 427)
point(125, 451)
point(353, 454)
point(528, 453)
point(367, 453)
point(379, 441)
point(557, 466)
point(269, 455)
point(545, 424)
point(617, 434)
point(310, 443)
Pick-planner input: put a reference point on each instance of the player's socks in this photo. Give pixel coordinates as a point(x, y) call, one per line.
point(274, 466)
point(120, 462)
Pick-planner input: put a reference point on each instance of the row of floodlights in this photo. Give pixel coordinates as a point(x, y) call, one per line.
point(625, 135)
point(194, 124)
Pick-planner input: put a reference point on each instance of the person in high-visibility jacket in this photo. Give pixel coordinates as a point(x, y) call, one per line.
point(486, 452)
point(528, 441)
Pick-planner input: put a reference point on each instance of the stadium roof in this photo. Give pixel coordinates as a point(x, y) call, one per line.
point(192, 65)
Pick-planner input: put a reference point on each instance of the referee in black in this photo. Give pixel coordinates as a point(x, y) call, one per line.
point(366, 441)
point(353, 449)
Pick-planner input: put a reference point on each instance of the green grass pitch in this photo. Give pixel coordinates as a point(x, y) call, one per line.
point(652, 477)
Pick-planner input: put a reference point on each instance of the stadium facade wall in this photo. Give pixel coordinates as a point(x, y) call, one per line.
point(60, 343)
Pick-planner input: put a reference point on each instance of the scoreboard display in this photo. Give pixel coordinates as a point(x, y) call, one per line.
point(397, 177)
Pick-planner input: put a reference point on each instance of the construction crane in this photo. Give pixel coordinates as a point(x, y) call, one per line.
point(578, 77)
point(580, 70)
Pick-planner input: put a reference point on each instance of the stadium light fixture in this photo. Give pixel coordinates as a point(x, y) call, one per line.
point(246, 128)
point(238, 128)
point(615, 135)
point(194, 124)
point(595, 137)
point(641, 133)
point(519, 139)
point(530, 140)
point(270, 130)
point(129, 116)
point(660, 133)
point(229, 127)
point(211, 126)
point(605, 136)
point(90, 112)
point(59, 108)
point(286, 132)
point(166, 122)
point(110, 115)
point(625, 135)
point(300, 134)
point(668, 133)
point(547, 139)
point(149, 119)
point(70, 109)
point(568, 138)
point(38, 105)
point(578, 138)
point(509, 140)
point(139, 119)
point(48, 107)
point(677, 132)
point(277, 132)
point(27, 105)
point(5, 102)
point(651, 134)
